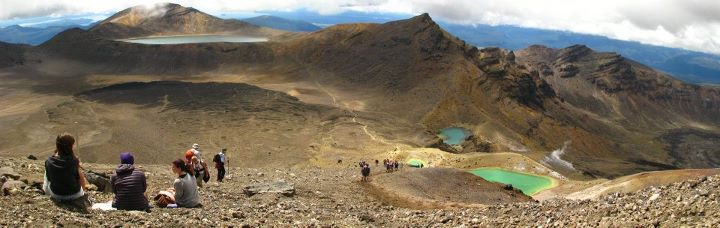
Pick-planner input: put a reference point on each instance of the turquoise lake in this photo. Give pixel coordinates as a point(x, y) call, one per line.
point(454, 135)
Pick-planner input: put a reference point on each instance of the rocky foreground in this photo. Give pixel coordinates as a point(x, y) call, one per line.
point(336, 197)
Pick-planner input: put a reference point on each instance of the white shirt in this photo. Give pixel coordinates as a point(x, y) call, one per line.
point(196, 152)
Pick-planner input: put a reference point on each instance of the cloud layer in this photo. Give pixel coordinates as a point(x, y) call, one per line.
point(689, 24)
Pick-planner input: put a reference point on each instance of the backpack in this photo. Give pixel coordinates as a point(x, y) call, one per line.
point(216, 159)
point(206, 177)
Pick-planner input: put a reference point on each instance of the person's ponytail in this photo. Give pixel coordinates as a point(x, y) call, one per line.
point(64, 144)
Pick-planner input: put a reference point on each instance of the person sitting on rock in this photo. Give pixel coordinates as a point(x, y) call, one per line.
point(129, 185)
point(64, 181)
point(185, 186)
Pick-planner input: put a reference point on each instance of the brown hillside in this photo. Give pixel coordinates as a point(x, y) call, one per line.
point(171, 19)
point(441, 187)
point(615, 116)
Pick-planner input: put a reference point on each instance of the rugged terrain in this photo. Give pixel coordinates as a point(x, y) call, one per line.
point(336, 197)
point(397, 83)
point(305, 107)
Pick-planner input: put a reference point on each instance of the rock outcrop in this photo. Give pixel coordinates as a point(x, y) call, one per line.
point(278, 187)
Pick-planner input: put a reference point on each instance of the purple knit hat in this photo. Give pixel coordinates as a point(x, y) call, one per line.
point(126, 158)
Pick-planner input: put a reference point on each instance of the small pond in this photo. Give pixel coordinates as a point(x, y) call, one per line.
point(454, 135)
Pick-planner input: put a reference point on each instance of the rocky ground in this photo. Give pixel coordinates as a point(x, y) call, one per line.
point(336, 197)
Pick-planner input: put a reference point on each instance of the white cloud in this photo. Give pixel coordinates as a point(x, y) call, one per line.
point(689, 24)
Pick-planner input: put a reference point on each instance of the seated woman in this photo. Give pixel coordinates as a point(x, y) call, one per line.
point(186, 190)
point(129, 185)
point(64, 180)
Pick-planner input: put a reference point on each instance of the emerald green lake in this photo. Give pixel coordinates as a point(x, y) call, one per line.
point(529, 184)
point(191, 39)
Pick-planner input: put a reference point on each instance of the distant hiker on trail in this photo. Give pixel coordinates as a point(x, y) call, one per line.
point(389, 166)
point(129, 185)
point(396, 164)
point(64, 181)
point(185, 186)
point(377, 162)
point(220, 161)
point(364, 170)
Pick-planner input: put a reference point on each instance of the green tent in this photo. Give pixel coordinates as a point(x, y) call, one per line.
point(416, 163)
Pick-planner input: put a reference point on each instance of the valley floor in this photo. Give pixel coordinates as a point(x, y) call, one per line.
point(336, 197)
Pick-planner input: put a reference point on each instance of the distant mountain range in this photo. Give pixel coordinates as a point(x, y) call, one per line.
point(29, 35)
point(689, 66)
point(282, 23)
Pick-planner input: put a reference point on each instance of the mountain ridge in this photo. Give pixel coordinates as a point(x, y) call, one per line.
point(611, 111)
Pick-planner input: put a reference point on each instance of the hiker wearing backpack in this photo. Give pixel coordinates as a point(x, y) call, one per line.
point(196, 151)
point(198, 170)
point(64, 180)
point(220, 161)
point(364, 170)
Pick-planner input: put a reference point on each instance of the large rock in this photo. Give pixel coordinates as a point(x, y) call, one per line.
point(12, 187)
point(9, 173)
point(100, 180)
point(282, 187)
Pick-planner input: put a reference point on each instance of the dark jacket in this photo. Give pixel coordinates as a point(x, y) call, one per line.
point(129, 187)
point(62, 173)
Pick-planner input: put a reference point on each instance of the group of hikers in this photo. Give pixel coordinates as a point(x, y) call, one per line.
point(65, 182)
point(390, 166)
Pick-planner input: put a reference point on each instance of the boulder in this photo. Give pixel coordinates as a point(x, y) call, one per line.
point(100, 180)
point(36, 182)
point(281, 187)
point(9, 173)
point(12, 187)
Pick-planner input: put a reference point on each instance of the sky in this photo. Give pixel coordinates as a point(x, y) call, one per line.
point(688, 24)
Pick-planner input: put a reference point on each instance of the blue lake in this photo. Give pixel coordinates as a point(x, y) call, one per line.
point(193, 39)
point(454, 135)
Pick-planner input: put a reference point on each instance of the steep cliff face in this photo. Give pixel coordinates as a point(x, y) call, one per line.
point(645, 112)
point(609, 85)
